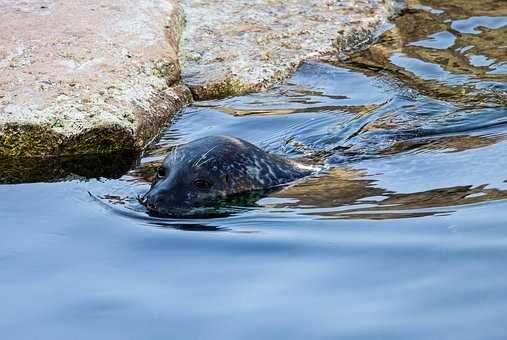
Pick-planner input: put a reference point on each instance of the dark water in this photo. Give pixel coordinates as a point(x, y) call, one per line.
point(403, 235)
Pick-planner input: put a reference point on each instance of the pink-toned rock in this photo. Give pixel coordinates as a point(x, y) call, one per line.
point(236, 46)
point(79, 77)
point(97, 76)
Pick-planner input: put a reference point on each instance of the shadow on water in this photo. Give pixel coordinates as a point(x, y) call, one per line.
point(25, 170)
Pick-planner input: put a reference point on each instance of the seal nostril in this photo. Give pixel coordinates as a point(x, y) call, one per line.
point(150, 206)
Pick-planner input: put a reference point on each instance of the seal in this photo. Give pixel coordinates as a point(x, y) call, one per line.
point(209, 170)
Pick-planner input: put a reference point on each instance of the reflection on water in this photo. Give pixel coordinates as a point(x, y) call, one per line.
point(400, 236)
point(432, 85)
point(450, 50)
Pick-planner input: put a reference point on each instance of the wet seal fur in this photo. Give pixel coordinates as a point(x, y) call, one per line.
point(208, 171)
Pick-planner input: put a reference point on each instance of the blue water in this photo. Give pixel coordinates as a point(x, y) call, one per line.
point(82, 272)
point(403, 235)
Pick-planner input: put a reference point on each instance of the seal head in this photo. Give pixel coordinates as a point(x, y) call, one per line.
point(207, 171)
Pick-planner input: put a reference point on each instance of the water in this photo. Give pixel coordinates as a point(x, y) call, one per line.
point(403, 235)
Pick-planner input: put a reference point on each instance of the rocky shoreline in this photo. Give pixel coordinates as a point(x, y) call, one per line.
point(99, 77)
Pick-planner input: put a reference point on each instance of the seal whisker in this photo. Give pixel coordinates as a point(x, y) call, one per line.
point(205, 161)
point(203, 157)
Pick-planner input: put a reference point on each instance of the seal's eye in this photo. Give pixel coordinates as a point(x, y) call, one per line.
point(161, 172)
point(202, 184)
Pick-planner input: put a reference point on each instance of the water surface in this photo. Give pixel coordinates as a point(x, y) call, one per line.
point(403, 234)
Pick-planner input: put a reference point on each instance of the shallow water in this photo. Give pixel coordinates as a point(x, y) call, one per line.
point(402, 235)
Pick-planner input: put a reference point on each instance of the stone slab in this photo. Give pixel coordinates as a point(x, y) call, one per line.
point(82, 77)
point(236, 46)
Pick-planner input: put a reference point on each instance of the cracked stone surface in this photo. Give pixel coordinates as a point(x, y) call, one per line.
point(79, 77)
point(236, 46)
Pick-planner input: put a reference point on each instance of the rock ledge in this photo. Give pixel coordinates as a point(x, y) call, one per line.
point(84, 77)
